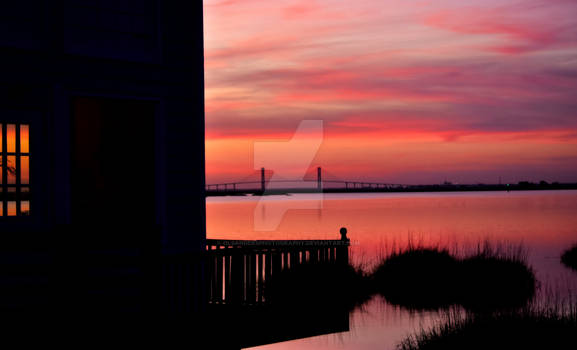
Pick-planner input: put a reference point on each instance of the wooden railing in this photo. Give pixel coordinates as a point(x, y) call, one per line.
point(237, 270)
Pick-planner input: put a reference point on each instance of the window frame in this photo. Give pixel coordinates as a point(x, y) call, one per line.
point(18, 187)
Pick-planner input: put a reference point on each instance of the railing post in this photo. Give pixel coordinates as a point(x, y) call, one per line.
point(294, 258)
point(314, 255)
point(261, 277)
point(268, 265)
point(227, 276)
point(213, 276)
point(285, 259)
point(219, 277)
point(237, 278)
point(253, 280)
point(343, 250)
point(276, 262)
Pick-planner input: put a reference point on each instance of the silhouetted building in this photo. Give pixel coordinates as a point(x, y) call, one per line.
point(102, 152)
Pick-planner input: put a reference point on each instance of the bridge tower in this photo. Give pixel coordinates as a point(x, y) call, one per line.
point(319, 179)
point(262, 180)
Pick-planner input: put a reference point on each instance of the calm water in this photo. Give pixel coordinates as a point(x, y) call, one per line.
point(545, 222)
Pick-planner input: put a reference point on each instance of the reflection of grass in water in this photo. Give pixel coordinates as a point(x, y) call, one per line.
point(569, 257)
point(528, 328)
point(492, 277)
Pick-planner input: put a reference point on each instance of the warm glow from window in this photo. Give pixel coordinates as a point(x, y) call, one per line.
point(24, 138)
point(11, 138)
point(25, 170)
point(14, 169)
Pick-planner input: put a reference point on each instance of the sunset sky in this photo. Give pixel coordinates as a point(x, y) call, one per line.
point(408, 91)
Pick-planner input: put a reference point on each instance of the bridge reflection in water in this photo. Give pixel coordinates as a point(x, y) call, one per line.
point(236, 276)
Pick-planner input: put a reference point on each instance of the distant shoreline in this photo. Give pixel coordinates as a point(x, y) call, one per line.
point(522, 186)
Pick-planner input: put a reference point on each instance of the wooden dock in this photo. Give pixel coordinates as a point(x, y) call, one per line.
point(237, 270)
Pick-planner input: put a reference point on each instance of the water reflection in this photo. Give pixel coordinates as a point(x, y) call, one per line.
point(544, 221)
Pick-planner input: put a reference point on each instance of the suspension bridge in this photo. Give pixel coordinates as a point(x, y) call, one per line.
point(266, 182)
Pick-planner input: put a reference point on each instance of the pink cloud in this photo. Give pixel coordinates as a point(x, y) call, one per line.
point(503, 71)
point(300, 9)
point(260, 44)
point(521, 31)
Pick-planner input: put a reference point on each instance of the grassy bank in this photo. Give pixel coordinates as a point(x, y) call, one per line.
point(528, 328)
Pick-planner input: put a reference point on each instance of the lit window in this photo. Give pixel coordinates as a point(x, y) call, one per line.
point(14, 169)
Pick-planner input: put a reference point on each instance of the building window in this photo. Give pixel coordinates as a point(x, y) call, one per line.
point(15, 169)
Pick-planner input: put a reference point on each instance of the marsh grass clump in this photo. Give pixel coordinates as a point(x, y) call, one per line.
point(417, 278)
point(319, 285)
point(490, 278)
point(496, 280)
point(527, 328)
point(569, 257)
